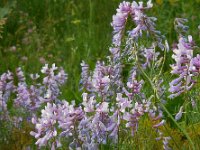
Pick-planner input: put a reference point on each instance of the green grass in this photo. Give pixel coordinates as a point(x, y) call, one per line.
point(66, 32)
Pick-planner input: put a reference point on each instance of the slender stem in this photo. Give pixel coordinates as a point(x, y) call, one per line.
point(158, 97)
point(184, 132)
point(118, 140)
point(163, 62)
point(90, 19)
point(165, 109)
point(172, 137)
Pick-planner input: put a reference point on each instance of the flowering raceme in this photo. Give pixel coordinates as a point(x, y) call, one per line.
point(142, 22)
point(52, 81)
point(85, 79)
point(6, 88)
point(185, 67)
point(195, 65)
point(135, 10)
point(119, 21)
point(134, 115)
point(46, 126)
point(150, 55)
point(133, 85)
point(31, 97)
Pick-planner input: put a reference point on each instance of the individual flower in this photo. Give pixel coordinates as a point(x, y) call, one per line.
point(166, 143)
point(84, 129)
point(34, 76)
point(159, 124)
point(179, 114)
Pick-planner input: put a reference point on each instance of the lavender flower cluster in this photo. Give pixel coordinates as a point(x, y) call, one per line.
point(186, 65)
point(109, 101)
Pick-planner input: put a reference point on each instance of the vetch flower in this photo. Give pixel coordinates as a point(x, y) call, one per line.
point(6, 88)
point(88, 103)
point(20, 75)
point(159, 124)
point(53, 81)
point(123, 103)
point(46, 125)
point(119, 21)
point(85, 81)
point(179, 114)
point(195, 64)
point(183, 67)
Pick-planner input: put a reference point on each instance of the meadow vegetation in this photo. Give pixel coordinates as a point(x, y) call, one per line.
point(66, 33)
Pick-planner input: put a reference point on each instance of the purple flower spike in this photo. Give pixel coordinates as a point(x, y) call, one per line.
point(119, 21)
point(133, 86)
point(185, 67)
point(46, 125)
point(6, 88)
point(135, 114)
point(53, 81)
point(85, 78)
point(195, 64)
point(150, 55)
point(20, 75)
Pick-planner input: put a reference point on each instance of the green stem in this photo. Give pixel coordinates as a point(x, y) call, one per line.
point(90, 19)
point(183, 131)
point(165, 109)
point(163, 62)
point(172, 137)
point(118, 140)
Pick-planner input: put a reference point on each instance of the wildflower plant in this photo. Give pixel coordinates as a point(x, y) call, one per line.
point(112, 103)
